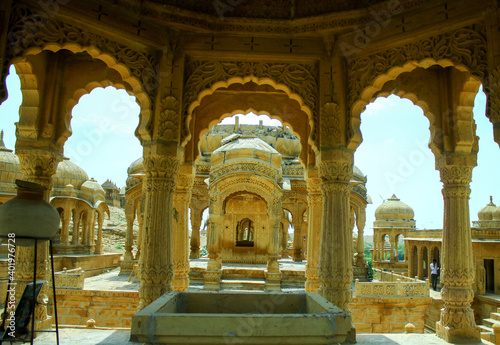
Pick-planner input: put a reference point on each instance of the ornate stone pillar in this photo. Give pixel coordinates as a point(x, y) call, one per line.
point(360, 224)
point(196, 218)
point(140, 220)
point(391, 250)
point(130, 212)
point(182, 198)
point(457, 272)
point(297, 238)
point(315, 202)
point(420, 263)
point(75, 234)
point(214, 246)
point(335, 261)
point(37, 166)
point(272, 273)
point(284, 237)
point(100, 222)
point(66, 218)
point(157, 263)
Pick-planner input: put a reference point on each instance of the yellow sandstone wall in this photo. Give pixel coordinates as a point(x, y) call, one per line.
point(388, 314)
point(107, 308)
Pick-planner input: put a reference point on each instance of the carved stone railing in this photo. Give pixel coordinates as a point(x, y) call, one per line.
point(70, 279)
point(397, 288)
point(385, 276)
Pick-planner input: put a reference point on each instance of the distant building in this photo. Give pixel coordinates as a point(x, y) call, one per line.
point(112, 193)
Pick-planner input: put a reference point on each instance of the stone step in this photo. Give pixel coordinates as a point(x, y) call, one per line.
point(495, 316)
point(233, 284)
point(489, 322)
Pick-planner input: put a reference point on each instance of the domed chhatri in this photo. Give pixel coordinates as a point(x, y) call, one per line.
point(10, 170)
point(69, 173)
point(486, 213)
point(393, 208)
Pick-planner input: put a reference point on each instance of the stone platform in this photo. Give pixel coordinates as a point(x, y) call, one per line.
point(114, 337)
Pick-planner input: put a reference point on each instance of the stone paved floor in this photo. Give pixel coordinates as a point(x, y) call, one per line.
point(71, 336)
point(112, 281)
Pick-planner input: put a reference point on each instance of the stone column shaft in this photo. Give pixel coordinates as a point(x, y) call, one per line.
point(66, 218)
point(315, 201)
point(457, 273)
point(420, 267)
point(360, 224)
point(297, 238)
point(98, 245)
point(157, 263)
point(130, 212)
point(272, 273)
point(182, 199)
point(196, 218)
point(335, 262)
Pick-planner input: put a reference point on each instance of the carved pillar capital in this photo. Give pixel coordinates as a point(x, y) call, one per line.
point(336, 166)
point(38, 165)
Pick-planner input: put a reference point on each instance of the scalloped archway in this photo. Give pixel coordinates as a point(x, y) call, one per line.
point(27, 127)
point(397, 81)
point(261, 96)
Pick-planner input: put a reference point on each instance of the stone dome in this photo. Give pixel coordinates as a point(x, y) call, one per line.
point(394, 209)
point(486, 213)
point(280, 138)
point(69, 173)
point(358, 175)
point(496, 214)
point(92, 191)
point(137, 167)
point(10, 170)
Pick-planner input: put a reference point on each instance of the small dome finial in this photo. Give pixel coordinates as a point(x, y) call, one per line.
point(1, 135)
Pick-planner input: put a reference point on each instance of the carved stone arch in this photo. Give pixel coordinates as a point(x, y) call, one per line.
point(245, 187)
point(464, 48)
point(136, 68)
point(460, 137)
point(298, 81)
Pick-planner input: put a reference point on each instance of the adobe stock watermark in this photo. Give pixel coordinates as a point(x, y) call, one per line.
point(408, 164)
point(10, 309)
point(363, 36)
point(49, 8)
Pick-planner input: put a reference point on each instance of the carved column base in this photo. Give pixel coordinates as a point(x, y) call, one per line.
point(273, 281)
point(312, 285)
point(298, 256)
point(212, 280)
point(462, 335)
point(312, 282)
point(338, 296)
point(181, 278)
point(195, 253)
point(126, 267)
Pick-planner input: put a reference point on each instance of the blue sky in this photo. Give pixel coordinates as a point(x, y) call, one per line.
point(394, 153)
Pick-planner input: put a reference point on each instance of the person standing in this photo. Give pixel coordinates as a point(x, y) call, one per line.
point(434, 274)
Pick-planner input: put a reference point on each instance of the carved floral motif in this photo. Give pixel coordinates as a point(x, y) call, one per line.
point(29, 28)
point(201, 75)
point(465, 46)
point(169, 121)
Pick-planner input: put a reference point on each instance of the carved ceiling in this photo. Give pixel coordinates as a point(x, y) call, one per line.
point(268, 9)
